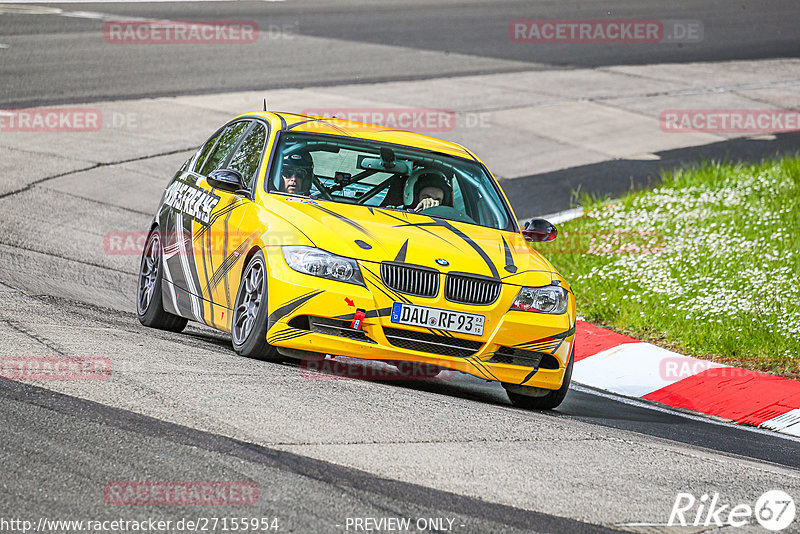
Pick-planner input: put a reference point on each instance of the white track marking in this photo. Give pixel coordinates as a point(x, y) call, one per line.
point(123, 2)
point(783, 422)
point(87, 15)
point(793, 430)
point(560, 217)
point(16, 9)
point(564, 216)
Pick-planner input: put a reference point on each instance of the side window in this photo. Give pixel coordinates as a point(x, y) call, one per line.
point(226, 142)
point(204, 152)
point(248, 156)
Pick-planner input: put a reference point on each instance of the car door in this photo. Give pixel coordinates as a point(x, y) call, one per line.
point(230, 241)
point(226, 242)
point(190, 240)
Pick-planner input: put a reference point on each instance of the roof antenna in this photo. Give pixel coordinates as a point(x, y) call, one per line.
point(265, 104)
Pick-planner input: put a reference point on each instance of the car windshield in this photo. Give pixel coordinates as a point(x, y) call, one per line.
point(352, 171)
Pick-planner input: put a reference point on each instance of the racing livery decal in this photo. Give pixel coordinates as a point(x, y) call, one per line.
point(191, 200)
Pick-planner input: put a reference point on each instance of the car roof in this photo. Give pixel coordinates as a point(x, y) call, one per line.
point(297, 122)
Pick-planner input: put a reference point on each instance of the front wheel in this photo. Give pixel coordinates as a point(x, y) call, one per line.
point(531, 398)
point(249, 328)
point(149, 303)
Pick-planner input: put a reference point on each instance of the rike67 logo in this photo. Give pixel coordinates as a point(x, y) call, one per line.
point(774, 510)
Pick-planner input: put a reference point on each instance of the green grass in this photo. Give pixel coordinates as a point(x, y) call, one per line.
point(707, 264)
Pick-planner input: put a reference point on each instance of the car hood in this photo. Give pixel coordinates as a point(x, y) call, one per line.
point(376, 235)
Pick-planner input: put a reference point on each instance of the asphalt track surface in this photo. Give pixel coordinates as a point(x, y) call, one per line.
point(184, 407)
point(71, 61)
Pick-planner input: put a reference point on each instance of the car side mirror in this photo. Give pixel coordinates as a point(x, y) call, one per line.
point(539, 230)
point(228, 180)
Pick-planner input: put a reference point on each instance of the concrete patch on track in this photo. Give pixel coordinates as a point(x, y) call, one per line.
point(522, 123)
point(603, 129)
point(18, 173)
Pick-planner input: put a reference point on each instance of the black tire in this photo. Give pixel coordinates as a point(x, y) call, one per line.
point(149, 303)
point(249, 321)
point(547, 401)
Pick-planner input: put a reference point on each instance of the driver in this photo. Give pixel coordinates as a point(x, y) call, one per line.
point(297, 171)
point(430, 189)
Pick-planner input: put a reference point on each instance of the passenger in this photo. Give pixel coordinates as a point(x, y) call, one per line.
point(427, 190)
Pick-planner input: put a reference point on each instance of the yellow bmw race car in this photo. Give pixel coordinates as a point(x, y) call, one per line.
point(304, 236)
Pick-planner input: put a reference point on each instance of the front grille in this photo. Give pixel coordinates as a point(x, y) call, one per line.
point(524, 358)
point(417, 281)
point(470, 289)
point(433, 343)
point(336, 327)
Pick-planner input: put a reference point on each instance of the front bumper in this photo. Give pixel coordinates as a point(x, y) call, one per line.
point(506, 352)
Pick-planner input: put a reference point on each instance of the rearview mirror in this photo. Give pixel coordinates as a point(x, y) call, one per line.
point(539, 230)
point(228, 180)
point(397, 166)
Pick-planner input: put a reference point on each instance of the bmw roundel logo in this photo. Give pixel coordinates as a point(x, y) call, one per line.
point(442, 262)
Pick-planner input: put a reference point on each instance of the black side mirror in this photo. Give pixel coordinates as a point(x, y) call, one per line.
point(228, 180)
point(539, 230)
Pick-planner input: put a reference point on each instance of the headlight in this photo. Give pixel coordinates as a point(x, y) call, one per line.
point(547, 299)
point(317, 262)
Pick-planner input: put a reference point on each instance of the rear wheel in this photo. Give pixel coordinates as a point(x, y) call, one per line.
point(249, 328)
point(531, 398)
point(149, 303)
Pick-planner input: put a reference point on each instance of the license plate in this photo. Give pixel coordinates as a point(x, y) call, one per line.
point(453, 321)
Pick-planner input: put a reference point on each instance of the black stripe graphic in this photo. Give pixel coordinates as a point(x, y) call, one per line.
point(289, 307)
point(389, 292)
point(207, 295)
point(224, 211)
point(565, 335)
point(344, 219)
point(510, 267)
point(477, 364)
point(530, 375)
point(286, 335)
point(416, 225)
point(475, 246)
point(444, 224)
point(401, 255)
point(227, 264)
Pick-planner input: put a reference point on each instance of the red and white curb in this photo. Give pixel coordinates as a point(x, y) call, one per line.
point(626, 366)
